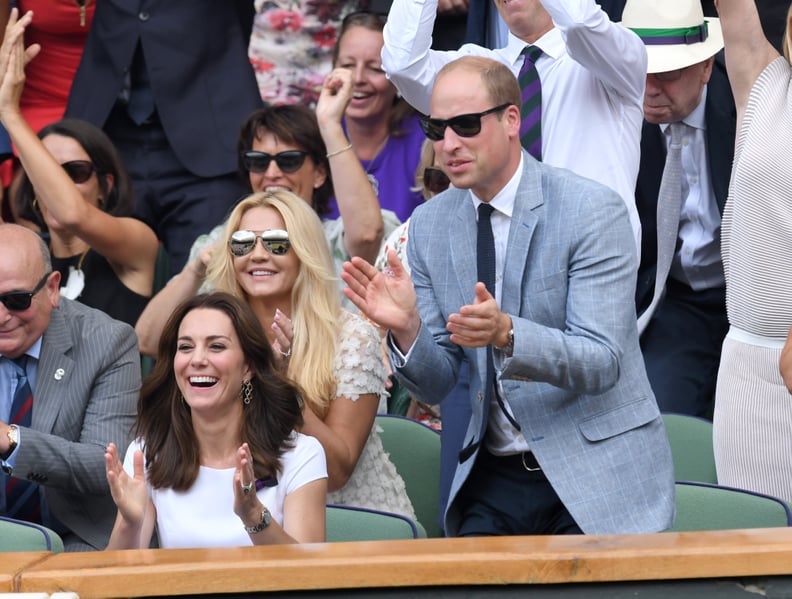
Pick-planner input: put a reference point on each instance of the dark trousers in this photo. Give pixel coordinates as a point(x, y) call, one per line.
point(502, 497)
point(176, 203)
point(682, 346)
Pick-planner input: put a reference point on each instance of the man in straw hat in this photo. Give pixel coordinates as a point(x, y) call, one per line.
point(682, 311)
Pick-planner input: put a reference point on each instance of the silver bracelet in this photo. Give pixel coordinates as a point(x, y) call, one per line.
point(341, 151)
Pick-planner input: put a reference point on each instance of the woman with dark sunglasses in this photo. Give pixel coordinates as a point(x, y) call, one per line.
point(290, 147)
point(77, 192)
point(272, 255)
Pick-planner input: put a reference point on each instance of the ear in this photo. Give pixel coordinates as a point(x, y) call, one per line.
point(320, 176)
point(706, 72)
point(511, 117)
point(53, 288)
point(109, 183)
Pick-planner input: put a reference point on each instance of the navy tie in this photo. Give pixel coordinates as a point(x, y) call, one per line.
point(22, 496)
point(485, 262)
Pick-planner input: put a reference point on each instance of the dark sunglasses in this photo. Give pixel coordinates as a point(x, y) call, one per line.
point(464, 125)
point(435, 180)
point(289, 161)
point(17, 301)
point(79, 170)
point(275, 241)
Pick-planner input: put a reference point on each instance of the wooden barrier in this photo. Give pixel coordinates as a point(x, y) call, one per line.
point(12, 564)
point(429, 563)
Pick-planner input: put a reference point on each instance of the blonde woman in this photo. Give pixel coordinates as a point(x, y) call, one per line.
point(277, 260)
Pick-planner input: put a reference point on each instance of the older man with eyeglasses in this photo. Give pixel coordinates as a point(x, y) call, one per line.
point(69, 383)
point(512, 273)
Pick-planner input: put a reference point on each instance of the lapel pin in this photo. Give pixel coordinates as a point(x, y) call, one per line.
point(59, 374)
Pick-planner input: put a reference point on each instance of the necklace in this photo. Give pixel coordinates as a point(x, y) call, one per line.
point(75, 283)
point(372, 179)
point(83, 5)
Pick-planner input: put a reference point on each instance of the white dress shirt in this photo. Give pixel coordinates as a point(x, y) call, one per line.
point(697, 261)
point(593, 75)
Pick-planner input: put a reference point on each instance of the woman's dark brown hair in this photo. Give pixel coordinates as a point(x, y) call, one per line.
point(294, 125)
point(164, 425)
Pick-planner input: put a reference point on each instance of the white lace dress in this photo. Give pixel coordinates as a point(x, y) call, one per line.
point(359, 370)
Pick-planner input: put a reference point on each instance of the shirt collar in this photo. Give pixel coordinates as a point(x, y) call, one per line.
point(696, 119)
point(503, 201)
point(34, 351)
point(551, 43)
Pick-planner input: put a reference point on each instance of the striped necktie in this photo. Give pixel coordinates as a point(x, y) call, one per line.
point(531, 109)
point(22, 496)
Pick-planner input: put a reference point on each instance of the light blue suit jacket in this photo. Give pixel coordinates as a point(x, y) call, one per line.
point(87, 387)
point(576, 382)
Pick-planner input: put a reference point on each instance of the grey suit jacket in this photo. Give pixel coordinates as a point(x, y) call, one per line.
point(576, 382)
point(87, 387)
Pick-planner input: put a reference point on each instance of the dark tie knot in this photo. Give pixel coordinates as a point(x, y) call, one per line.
point(19, 363)
point(532, 53)
point(485, 211)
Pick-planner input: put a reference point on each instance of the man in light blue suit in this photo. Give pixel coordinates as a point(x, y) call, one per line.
point(83, 371)
point(565, 435)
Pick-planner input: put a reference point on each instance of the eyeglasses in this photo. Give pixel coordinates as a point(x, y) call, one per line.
point(668, 76)
point(275, 241)
point(289, 161)
point(17, 301)
point(464, 125)
point(79, 170)
point(435, 180)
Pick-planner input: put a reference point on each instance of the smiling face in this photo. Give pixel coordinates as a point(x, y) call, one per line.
point(486, 161)
point(67, 149)
point(672, 96)
point(261, 275)
point(301, 182)
point(209, 364)
point(372, 94)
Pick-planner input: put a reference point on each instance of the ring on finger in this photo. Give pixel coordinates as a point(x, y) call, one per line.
point(247, 488)
point(286, 353)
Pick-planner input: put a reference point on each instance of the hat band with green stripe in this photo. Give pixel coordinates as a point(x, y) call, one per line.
point(670, 36)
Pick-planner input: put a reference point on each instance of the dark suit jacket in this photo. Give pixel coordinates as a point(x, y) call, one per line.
point(720, 116)
point(196, 56)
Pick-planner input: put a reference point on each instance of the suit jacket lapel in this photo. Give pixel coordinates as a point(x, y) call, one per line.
point(523, 223)
point(55, 368)
point(462, 235)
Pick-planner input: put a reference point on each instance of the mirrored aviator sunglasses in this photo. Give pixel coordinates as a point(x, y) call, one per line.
point(464, 125)
point(79, 171)
point(289, 161)
point(275, 241)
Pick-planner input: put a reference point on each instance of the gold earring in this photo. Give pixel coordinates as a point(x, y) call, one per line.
point(247, 391)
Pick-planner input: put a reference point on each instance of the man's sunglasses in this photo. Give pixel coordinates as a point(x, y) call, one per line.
point(17, 301)
point(464, 125)
point(435, 180)
point(289, 161)
point(275, 241)
point(79, 170)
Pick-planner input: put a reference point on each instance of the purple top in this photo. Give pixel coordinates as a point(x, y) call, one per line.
point(394, 170)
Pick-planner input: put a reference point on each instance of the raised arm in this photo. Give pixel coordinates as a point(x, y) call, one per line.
point(747, 50)
point(181, 287)
point(357, 203)
point(134, 257)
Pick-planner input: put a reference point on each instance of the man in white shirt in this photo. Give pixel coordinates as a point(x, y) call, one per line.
point(592, 73)
point(683, 330)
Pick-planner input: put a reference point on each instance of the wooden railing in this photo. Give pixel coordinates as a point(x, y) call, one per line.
point(427, 563)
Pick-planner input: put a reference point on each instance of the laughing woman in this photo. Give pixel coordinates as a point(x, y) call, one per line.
point(277, 260)
point(217, 461)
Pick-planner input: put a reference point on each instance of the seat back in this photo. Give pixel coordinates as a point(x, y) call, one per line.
point(691, 448)
point(17, 535)
point(414, 449)
point(702, 506)
point(347, 523)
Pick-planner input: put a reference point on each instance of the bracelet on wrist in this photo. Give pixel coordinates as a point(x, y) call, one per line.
point(341, 151)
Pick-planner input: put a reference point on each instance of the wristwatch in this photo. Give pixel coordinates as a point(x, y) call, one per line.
point(266, 519)
point(13, 440)
point(508, 349)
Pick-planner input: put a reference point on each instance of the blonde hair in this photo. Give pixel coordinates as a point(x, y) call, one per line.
point(427, 160)
point(315, 304)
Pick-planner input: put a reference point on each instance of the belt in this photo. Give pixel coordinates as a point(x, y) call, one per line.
point(525, 460)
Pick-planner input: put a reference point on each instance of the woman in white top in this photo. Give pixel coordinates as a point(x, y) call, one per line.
point(217, 461)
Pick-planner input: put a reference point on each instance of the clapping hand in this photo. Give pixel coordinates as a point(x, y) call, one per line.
point(130, 493)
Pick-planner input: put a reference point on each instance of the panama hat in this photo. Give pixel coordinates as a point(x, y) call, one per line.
point(675, 32)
